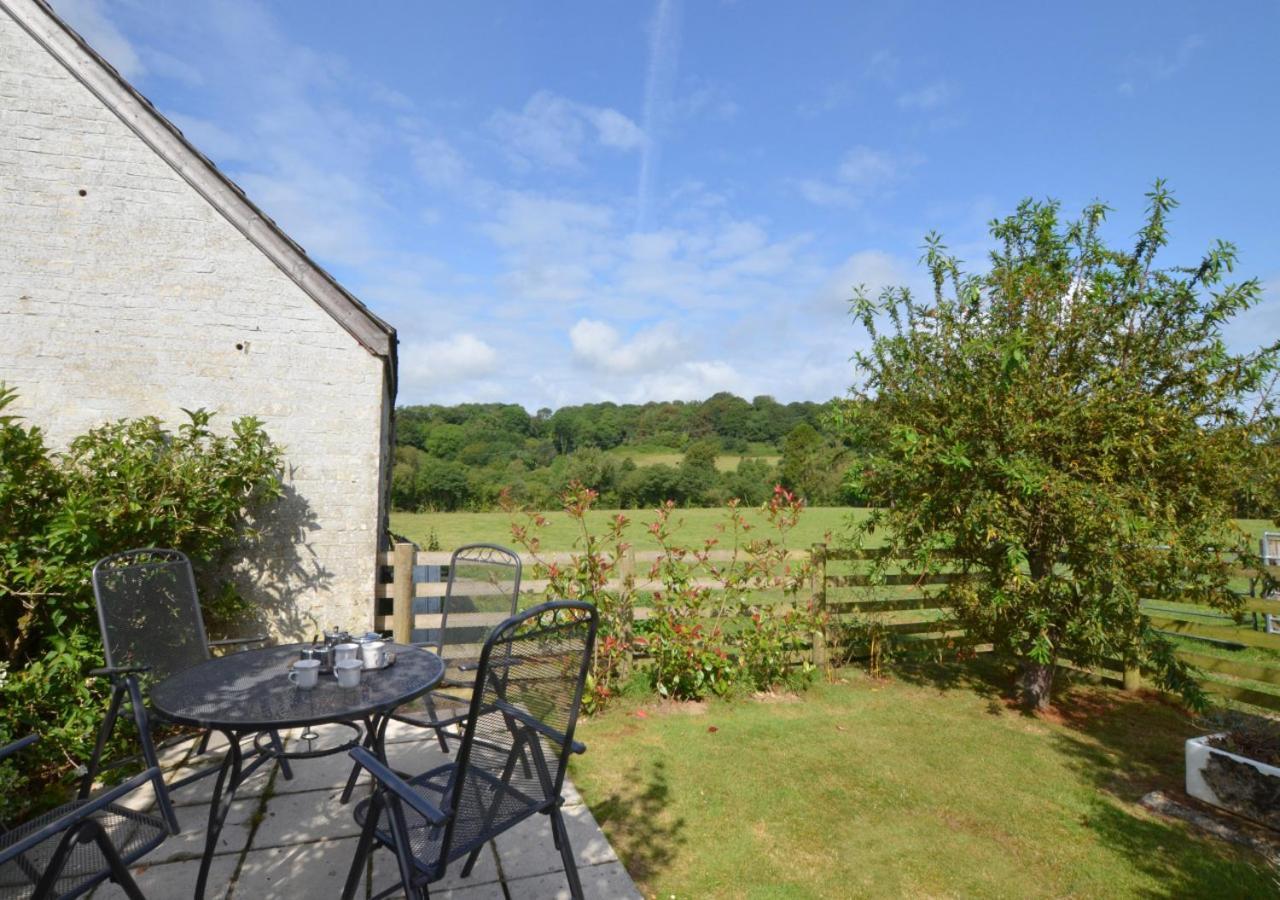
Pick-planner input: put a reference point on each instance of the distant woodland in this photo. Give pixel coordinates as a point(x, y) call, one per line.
point(698, 453)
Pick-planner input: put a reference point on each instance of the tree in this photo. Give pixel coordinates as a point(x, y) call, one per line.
point(752, 482)
point(442, 485)
point(698, 471)
point(802, 459)
point(1067, 432)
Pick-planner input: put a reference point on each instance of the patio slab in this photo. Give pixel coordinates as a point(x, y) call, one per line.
point(295, 839)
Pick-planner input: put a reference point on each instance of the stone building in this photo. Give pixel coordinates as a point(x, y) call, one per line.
point(136, 279)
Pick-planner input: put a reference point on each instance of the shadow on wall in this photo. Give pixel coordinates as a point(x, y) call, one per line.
point(282, 570)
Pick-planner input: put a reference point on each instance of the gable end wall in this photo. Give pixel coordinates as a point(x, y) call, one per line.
point(139, 298)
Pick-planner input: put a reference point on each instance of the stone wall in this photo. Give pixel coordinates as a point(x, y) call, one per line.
point(124, 293)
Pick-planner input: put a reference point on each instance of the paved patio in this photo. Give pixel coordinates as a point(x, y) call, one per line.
point(292, 838)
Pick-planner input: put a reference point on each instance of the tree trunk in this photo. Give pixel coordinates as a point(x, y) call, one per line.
point(1037, 684)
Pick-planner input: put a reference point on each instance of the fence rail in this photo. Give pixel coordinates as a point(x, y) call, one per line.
point(913, 620)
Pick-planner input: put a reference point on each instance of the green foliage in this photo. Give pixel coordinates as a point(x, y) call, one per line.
point(1068, 432)
point(464, 457)
point(127, 484)
point(813, 466)
point(712, 631)
point(598, 574)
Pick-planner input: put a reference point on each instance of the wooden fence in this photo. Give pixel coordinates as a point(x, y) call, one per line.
point(900, 608)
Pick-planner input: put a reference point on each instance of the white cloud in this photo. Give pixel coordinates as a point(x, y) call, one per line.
point(883, 65)
point(690, 381)
point(438, 163)
point(600, 346)
point(660, 76)
point(218, 144)
point(553, 131)
point(552, 248)
point(861, 174)
point(87, 17)
point(867, 168)
point(462, 357)
point(1257, 326)
point(829, 99)
point(929, 97)
point(824, 193)
point(871, 269)
point(332, 215)
point(1141, 71)
point(614, 129)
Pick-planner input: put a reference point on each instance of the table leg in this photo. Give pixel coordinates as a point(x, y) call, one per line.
point(224, 791)
point(375, 732)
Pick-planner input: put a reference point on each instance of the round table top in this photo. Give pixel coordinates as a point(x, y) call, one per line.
point(251, 690)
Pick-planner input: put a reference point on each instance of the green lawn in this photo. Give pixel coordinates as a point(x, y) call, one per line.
point(927, 785)
point(453, 529)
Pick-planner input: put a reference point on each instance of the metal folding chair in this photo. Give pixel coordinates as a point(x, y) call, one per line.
point(482, 591)
point(151, 624)
point(510, 764)
point(67, 851)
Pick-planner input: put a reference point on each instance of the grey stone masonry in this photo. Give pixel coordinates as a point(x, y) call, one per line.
point(124, 291)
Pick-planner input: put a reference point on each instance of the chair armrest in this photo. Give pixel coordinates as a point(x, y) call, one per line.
point(80, 813)
point(398, 786)
point(233, 642)
point(113, 671)
point(21, 744)
point(540, 726)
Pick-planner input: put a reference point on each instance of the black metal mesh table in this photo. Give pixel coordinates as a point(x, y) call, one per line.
point(250, 692)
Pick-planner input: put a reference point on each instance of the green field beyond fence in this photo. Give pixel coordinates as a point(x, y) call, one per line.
point(1239, 658)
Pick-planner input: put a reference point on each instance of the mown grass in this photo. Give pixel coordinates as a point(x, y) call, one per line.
point(454, 529)
point(928, 784)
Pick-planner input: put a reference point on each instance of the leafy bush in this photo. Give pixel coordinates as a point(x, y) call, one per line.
point(601, 561)
point(131, 483)
point(711, 631)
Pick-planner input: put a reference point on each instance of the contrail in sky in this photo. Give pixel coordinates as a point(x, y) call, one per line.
point(664, 53)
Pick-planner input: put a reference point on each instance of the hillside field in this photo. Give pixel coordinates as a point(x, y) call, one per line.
point(457, 528)
point(454, 529)
point(644, 455)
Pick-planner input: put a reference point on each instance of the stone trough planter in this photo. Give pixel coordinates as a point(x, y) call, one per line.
point(1235, 783)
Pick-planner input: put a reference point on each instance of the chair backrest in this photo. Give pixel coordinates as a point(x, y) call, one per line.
point(482, 593)
point(149, 611)
point(517, 740)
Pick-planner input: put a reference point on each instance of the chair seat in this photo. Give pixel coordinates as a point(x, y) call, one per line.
point(425, 839)
point(437, 708)
point(133, 834)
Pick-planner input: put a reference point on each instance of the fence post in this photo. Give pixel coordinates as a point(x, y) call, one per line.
point(818, 589)
point(402, 593)
point(1132, 677)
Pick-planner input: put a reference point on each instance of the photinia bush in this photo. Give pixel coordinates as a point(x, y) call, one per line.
point(126, 484)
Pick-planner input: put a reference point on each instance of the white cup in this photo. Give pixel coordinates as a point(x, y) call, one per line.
point(374, 654)
point(345, 651)
point(348, 672)
point(305, 674)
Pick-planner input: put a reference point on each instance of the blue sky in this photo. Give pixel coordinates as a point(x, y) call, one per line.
point(570, 202)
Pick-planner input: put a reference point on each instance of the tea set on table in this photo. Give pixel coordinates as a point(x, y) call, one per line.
point(341, 655)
